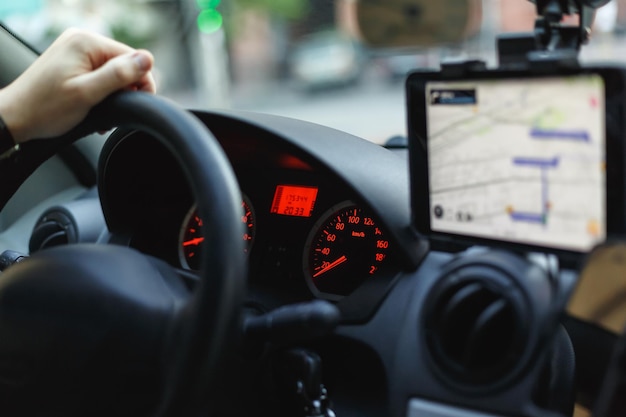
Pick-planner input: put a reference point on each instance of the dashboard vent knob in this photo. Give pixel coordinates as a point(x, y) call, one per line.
point(55, 229)
point(475, 327)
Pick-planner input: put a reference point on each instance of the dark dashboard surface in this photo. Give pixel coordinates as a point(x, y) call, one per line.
point(314, 228)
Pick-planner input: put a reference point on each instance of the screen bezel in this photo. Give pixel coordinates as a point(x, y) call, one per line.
point(614, 85)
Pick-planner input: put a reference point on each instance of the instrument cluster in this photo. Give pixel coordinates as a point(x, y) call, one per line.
point(314, 227)
point(302, 231)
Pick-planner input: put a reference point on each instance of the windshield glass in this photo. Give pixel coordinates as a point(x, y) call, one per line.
point(297, 58)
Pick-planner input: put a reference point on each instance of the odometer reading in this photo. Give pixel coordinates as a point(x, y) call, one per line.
point(294, 200)
point(345, 248)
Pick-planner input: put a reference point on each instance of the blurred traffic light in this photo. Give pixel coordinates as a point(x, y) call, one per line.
point(209, 19)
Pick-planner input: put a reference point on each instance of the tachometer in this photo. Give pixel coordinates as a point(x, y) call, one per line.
point(345, 248)
point(190, 238)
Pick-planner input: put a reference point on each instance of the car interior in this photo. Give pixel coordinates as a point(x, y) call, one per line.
point(227, 262)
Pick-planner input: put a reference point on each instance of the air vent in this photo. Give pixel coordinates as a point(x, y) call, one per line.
point(475, 328)
point(75, 221)
point(53, 229)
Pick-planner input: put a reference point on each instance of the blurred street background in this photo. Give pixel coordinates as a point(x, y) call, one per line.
point(297, 58)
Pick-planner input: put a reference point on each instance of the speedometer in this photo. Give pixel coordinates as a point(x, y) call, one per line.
point(345, 247)
point(191, 240)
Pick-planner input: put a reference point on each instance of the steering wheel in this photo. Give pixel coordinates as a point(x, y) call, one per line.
point(105, 330)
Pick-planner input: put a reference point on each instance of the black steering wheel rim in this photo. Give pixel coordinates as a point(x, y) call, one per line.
point(209, 320)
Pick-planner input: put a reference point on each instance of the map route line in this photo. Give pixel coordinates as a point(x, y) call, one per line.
point(528, 217)
point(543, 164)
point(537, 162)
point(574, 135)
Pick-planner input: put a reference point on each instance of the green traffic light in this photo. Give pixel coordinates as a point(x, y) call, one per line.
point(208, 4)
point(210, 20)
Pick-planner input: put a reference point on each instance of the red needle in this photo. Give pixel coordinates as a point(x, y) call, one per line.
point(194, 241)
point(330, 266)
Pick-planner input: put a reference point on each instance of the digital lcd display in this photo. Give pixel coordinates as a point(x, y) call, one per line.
point(519, 160)
point(294, 200)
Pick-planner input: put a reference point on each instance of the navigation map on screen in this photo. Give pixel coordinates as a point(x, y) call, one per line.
point(519, 160)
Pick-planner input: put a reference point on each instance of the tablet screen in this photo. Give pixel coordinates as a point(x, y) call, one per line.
point(519, 160)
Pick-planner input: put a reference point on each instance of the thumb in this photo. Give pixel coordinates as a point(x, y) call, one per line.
point(116, 74)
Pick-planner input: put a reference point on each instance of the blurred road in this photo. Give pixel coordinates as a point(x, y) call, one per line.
point(373, 109)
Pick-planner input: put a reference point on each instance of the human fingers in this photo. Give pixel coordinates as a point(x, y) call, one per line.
point(116, 74)
point(98, 48)
point(146, 84)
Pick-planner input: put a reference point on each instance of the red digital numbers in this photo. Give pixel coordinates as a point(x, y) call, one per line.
point(294, 200)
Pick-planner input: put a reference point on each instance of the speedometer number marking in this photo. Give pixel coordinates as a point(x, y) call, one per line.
point(191, 240)
point(343, 250)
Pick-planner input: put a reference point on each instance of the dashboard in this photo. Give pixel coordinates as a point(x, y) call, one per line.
point(325, 215)
point(311, 230)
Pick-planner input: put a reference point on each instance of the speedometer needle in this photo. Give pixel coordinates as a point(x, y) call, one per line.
point(194, 241)
point(330, 266)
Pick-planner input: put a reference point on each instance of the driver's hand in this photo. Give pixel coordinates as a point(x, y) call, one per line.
point(75, 73)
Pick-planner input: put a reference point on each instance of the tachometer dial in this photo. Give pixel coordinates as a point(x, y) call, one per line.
point(191, 238)
point(345, 248)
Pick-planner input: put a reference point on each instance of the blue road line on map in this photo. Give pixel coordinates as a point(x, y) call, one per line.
point(537, 162)
point(543, 164)
point(575, 135)
point(528, 217)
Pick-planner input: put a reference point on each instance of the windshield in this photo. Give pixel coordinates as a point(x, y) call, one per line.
point(296, 58)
